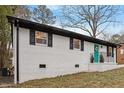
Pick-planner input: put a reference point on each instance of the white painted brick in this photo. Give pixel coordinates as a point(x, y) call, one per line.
point(59, 59)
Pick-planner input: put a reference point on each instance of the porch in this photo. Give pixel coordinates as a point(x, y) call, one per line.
point(101, 58)
point(101, 62)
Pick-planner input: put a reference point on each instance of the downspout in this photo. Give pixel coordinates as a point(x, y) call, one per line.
point(17, 50)
point(116, 54)
point(12, 32)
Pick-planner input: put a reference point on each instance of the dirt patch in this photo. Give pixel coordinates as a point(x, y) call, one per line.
point(6, 81)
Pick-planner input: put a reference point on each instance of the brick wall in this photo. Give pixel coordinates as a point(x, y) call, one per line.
point(120, 57)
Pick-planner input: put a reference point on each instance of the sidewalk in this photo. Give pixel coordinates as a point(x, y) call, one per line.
point(121, 65)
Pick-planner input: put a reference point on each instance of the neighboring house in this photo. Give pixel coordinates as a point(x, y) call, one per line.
point(120, 54)
point(42, 51)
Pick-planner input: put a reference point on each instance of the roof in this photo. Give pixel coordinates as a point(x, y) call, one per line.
point(46, 28)
point(121, 44)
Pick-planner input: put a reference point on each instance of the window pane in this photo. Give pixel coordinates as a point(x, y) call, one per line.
point(122, 51)
point(76, 43)
point(110, 51)
point(41, 41)
point(41, 37)
point(38, 34)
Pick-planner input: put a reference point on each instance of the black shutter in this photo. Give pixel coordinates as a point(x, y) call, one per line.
point(32, 37)
point(107, 51)
point(82, 45)
point(112, 51)
point(50, 39)
point(71, 43)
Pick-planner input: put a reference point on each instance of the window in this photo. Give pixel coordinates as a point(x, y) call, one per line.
point(110, 51)
point(121, 51)
point(41, 38)
point(76, 43)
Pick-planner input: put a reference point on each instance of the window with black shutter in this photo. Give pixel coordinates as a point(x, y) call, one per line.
point(50, 39)
point(32, 37)
point(76, 44)
point(110, 51)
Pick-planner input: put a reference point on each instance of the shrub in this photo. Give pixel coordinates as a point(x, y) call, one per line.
point(101, 58)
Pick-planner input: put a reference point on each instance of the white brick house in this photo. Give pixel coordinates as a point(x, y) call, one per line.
point(42, 51)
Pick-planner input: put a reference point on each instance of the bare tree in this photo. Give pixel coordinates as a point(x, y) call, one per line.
point(93, 19)
point(117, 38)
point(122, 38)
point(5, 37)
point(22, 11)
point(43, 14)
point(105, 36)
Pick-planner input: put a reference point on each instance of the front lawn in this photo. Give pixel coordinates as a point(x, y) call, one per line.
point(113, 78)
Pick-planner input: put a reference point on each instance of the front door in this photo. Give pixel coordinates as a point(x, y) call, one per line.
point(96, 53)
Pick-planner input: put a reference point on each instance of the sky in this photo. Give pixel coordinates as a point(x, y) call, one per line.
point(112, 29)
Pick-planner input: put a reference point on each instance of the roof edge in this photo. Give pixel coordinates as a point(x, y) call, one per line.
point(87, 38)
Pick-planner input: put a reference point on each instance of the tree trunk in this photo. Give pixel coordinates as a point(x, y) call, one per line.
point(94, 33)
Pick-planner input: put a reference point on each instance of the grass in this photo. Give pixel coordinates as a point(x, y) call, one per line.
point(113, 78)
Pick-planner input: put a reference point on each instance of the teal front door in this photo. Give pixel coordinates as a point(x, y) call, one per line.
point(96, 53)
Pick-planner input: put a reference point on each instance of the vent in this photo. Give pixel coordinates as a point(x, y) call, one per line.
point(76, 65)
point(42, 65)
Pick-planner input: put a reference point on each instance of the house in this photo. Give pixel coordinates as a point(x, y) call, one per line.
point(41, 51)
point(120, 54)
